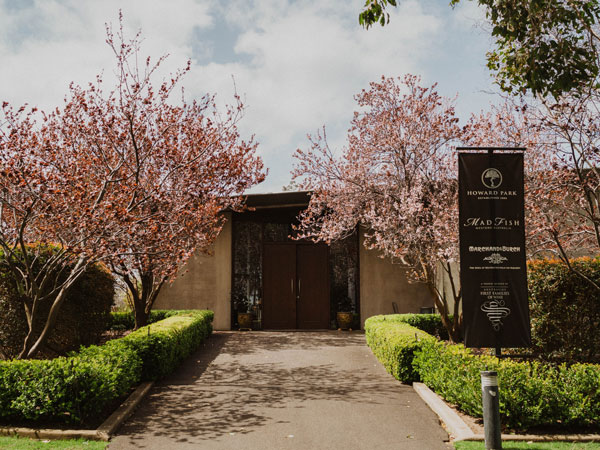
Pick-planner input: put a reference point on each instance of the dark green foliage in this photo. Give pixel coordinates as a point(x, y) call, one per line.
point(565, 310)
point(531, 393)
point(83, 316)
point(394, 343)
point(71, 389)
point(545, 47)
point(79, 387)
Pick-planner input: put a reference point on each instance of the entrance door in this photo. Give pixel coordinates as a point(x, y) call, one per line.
point(295, 286)
point(313, 288)
point(279, 286)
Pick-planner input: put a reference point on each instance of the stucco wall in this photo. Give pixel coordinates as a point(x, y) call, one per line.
point(382, 282)
point(445, 286)
point(204, 282)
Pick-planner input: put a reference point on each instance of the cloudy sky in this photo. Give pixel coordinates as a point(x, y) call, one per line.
point(296, 63)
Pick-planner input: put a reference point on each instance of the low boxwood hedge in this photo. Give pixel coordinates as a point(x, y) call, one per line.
point(124, 320)
point(77, 388)
point(164, 344)
point(531, 393)
point(394, 342)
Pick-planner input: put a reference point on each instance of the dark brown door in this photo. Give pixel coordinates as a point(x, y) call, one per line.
point(312, 310)
point(279, 286)
point(295, 286)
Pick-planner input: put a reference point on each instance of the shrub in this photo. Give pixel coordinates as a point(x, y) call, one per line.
point(429, 323)
point(565, 310)
point(394, 342)
point(531, 393)
point(125, 320)
point(83, 316)
point(68, 389)
point(163, 345)
point(79, 387)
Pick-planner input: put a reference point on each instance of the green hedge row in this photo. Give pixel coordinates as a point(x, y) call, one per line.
point(429, 323)
point(531, 393)
point(124, 320)
point(164, 344)
point(394, 342)
point(78, 388)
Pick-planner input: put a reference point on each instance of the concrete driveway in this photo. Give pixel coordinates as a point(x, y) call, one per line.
point(282, 390)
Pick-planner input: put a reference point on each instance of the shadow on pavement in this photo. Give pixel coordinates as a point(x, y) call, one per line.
point(208, 398)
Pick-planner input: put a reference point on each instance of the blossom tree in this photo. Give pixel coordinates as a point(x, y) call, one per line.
point(397, 178)
point(182, 164)
point(128, 177)
point(566, 211)
point(56, 217)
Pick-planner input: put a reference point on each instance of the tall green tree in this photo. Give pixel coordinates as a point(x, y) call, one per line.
point(545, 47)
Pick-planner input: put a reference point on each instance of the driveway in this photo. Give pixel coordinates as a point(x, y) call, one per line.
point(282, 390)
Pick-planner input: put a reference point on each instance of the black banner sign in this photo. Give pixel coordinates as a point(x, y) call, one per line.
point(493, 271)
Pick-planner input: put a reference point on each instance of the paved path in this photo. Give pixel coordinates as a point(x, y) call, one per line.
point(282, 390)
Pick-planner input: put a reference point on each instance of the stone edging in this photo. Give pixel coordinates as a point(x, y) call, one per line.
point(102, 433)
point(460, 431)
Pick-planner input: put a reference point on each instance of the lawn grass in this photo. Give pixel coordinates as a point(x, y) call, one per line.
point(518, 445)
point(22, 443)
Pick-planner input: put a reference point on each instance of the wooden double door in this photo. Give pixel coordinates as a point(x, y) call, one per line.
point(295, 286)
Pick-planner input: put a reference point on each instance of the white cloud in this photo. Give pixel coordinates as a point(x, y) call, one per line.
point(297, 63)
point(48, 44)
point(308, 59)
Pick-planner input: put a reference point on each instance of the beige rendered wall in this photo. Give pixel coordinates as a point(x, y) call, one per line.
point(204, 282)
point(382, 282)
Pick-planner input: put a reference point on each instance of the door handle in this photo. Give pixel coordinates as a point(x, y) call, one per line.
point(299, 288)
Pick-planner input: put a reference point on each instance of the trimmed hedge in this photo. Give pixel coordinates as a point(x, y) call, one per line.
point(125, 320)
point(164, 344)
point(429, 323)
point(531, 393)
point(68, 389)
point(78, 388)
point(394, 342)
point(565, 310)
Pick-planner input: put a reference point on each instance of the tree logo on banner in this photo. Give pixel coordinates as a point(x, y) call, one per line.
point(491, 178)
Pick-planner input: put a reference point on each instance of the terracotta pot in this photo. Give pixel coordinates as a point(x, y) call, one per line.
point(244, 320)
point(344, 320)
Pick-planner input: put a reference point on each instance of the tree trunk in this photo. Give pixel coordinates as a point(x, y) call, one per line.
point(139, 313)
point(76, 273)
point(143, 298)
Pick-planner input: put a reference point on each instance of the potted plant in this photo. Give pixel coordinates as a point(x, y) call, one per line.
point(244, 313)
point(344, 313)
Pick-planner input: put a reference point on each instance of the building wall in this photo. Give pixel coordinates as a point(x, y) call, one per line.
point(204, 282)
point(445, 286)
point(382, 282)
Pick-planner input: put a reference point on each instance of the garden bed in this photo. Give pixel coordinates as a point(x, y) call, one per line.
point(81, 390)
point(534, 396)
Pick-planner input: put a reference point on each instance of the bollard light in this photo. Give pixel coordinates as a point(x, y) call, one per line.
point(491, 410)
